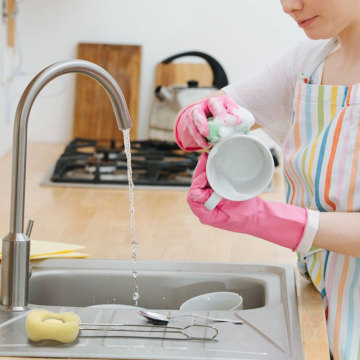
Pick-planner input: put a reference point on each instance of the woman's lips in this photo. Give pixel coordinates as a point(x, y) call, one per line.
point(306, 22)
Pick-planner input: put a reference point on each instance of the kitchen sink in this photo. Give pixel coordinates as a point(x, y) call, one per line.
point(162, 285)
point(270, 331)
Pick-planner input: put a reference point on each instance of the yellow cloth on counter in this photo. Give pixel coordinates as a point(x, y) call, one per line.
point(48, 249)
point(69, 255)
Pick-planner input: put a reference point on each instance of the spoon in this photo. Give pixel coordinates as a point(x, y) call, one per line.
point(160, 319)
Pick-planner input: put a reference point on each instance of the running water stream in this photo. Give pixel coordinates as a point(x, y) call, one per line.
point(136, 294)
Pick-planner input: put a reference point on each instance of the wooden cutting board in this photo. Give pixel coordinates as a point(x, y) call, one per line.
point(93, 114)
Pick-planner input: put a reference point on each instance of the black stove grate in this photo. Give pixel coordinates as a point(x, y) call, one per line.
point(153, 163)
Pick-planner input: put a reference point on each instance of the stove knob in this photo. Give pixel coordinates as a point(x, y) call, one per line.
point(105, 154)
point(112, 143)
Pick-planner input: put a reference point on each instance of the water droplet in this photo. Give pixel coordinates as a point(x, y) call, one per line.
point(136, 296)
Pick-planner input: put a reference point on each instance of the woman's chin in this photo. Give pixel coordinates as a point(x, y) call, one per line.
point(318, 35)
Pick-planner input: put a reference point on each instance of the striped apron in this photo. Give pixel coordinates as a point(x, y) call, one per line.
point(322, 171)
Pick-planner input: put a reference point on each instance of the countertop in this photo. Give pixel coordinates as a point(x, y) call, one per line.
point(165, 230)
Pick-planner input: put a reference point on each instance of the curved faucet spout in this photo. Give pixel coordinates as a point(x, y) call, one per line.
point(15, 246)
point(22, 116)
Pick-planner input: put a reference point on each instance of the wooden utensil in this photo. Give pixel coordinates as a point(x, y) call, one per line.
point(181, 73)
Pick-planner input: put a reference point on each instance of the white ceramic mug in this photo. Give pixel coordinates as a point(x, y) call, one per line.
point(239, 168)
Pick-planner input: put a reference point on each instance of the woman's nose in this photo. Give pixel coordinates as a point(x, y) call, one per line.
point(289, 6)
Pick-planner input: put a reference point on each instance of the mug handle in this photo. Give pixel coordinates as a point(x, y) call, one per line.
point(212, 201)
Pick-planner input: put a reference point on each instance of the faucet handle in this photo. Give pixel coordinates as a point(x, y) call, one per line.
point(29, 228)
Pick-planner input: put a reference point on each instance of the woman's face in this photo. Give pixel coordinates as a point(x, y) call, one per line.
point(323, 19)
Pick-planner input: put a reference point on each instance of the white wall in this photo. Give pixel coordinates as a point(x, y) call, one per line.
point(241, 34)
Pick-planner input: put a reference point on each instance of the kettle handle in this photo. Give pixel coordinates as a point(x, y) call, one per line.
point(219, 77)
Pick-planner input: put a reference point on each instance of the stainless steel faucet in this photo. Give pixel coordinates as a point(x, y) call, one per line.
point(15, 267)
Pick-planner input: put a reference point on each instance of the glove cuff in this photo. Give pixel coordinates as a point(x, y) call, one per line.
point(312, 225)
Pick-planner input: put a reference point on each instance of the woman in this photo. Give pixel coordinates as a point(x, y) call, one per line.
point(309, 101)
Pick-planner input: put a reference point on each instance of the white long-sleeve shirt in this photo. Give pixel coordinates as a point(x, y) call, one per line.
point(268, 92)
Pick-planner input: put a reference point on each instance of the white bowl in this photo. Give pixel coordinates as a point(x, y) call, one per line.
point(223, 301)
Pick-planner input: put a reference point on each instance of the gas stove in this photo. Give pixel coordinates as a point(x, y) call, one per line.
point(91, 163)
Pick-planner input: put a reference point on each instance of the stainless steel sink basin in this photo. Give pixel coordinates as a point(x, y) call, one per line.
point(270, 331)
point(162, 285)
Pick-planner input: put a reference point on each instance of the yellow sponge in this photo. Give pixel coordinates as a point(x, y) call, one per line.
point(46, 325)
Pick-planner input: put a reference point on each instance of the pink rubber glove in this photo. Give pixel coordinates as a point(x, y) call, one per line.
point(279, 223)
point(191, 128)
